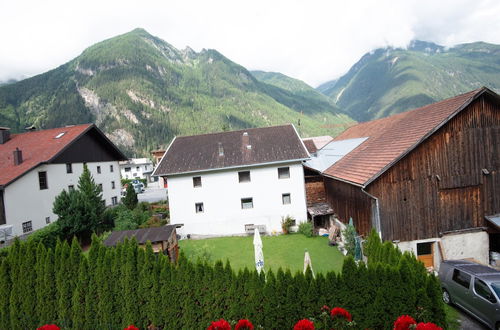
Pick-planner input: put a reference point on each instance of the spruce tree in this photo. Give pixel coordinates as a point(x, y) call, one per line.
point(5, 289)
point(40, 285)
point(78, 299)
point(48, 313)
point(64, 287)
point(130, 200)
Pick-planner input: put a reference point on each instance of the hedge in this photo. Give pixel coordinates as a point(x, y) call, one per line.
point(111, 288)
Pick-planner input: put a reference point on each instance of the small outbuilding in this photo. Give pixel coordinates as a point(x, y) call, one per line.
point(163, 239)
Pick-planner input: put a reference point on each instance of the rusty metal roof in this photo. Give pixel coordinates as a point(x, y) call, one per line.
point(154, 235)
point(253, 146)
point(391, 138)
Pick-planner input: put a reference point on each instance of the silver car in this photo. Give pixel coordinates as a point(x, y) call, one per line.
point(474, 288)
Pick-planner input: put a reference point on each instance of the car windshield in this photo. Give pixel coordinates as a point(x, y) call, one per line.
point(496, 288)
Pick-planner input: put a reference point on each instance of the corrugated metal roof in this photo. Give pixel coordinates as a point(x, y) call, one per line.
point(494, 219)
point(332, 153)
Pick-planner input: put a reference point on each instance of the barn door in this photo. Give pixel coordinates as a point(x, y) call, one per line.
point(425, 253)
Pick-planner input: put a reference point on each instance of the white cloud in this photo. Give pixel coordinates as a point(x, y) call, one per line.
point(314, 41)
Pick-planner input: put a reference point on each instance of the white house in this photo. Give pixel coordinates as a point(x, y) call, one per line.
point(136, 168)
point(36, 166)
point(221, 183)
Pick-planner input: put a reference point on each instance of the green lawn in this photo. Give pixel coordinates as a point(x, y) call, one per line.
point(285, 251)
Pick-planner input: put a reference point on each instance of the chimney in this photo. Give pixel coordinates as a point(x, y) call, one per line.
point(221, 150)
point(18, 156)
point(245, 141)
point(4, 134)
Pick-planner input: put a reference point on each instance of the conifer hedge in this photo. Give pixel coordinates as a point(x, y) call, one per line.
point(111, 288)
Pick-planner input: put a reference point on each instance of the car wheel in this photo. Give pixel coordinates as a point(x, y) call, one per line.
point(497, 326)
point(446, 297)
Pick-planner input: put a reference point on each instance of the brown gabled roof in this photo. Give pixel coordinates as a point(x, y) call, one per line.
point(39, 147)
point(154, 235)
point(310, 146)
point(389, 139)
point(232, 149)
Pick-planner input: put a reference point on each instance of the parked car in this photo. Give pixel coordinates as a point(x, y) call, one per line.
point(473, 287)
point(138, 187)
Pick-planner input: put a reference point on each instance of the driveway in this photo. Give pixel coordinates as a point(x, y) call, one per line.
point(468, 322)
point(153, 195)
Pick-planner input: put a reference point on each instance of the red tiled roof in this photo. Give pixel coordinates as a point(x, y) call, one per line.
point(37, 147)
point(232, 149)
point(310, 146)
point(391, 138)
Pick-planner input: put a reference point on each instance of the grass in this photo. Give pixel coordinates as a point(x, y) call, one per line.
point(285, 251)
point(452, 317)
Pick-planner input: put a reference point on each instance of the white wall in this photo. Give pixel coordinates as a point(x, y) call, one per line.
point(221, 195)
point(24, 201)
point(473, 245)
point(136, 169)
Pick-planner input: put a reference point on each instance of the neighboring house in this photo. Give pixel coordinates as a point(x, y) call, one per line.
point(163, 239)
point(427, 179)
point(157, 156)
point(36, 166)
point(136, 168)
point(315, 143)
point(222, 183)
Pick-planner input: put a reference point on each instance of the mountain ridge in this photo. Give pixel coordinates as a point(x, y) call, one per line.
point(390, 80)
point(141, 91)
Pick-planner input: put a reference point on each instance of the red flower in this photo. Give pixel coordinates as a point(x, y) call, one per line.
point(243, 325)
point(304, 325)
point(428, 326)
point(49, 327)
point(404, 322)
point(340, 312)
point(131, 327)
point(219, 325)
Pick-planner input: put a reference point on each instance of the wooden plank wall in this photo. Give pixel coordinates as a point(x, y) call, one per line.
point(349, 201)
point(440, 185)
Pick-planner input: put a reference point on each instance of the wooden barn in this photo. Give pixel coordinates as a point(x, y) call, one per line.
point(426, 179)
point(163, 239)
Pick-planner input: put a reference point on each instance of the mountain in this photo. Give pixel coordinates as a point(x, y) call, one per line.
point(392, 80)
point(142, 91)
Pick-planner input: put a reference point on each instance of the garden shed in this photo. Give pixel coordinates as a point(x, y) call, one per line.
point(163, 239)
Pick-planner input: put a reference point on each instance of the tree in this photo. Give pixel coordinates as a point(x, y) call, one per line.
point(80, 211)
point(130, 199)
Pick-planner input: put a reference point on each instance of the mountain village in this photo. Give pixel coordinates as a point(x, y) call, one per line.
point(147, 187)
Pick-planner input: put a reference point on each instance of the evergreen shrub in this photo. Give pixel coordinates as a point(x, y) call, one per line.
point(306, 229)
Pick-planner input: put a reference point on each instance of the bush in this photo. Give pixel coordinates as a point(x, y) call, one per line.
point(306, 229)
point(286, 223)
point(48, 235)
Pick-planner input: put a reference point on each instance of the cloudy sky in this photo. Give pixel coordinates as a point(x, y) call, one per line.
point(312, 40)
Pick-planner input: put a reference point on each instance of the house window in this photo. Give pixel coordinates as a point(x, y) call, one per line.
point(145, 167)
point(98, 169)
point(71, 187)
point(285, 198)
point(100, 186)
point(69, 168)
point(199, 207)
point(114, 200)
point(137, 168)
point(283, 172)
point(134, 175)
point(27, 227)
point(47, 220)
point(42, 180)
point(127, 169)
point(197, 181)
point(247, 203)
point(244, 176)
point(461, 278)
point(111, 169)
point(112, 185)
